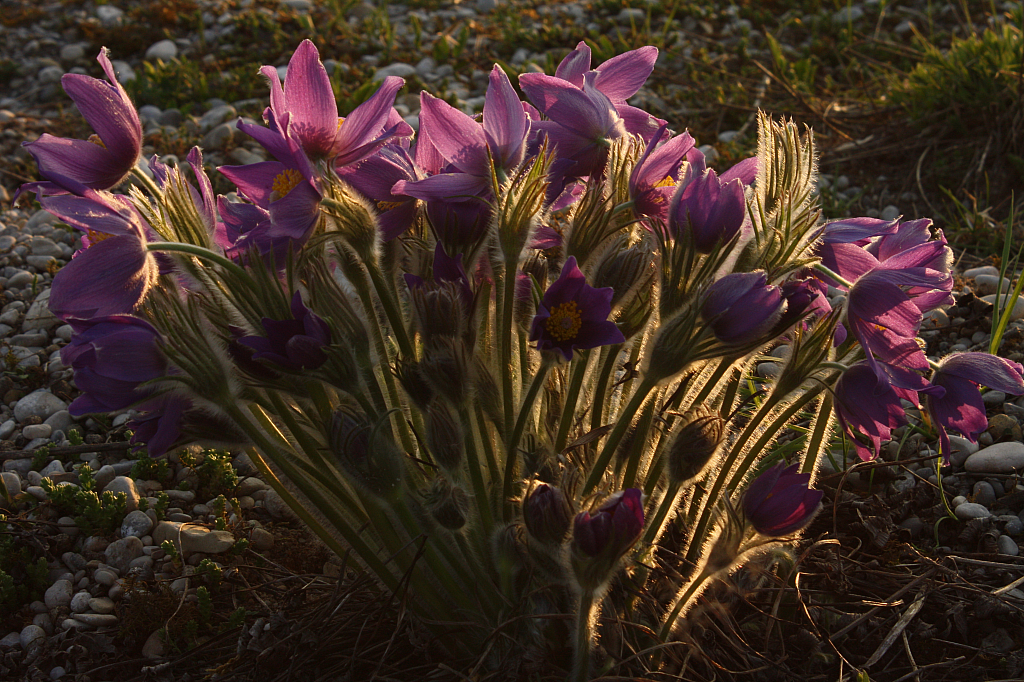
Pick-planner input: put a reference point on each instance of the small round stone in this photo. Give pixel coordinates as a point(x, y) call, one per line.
point(971, 510)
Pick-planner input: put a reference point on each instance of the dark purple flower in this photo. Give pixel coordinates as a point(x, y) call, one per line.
point(104, 160)
point(574, 315)
point(111, 357)
point(867, 404)
point(375, 177)
point(547, 514)
point(708, 210)
point(779, 501)
point(309, 101)
point(582, 122)
point(116, 271)
point(158, 425)
point(961, 408)
point(292, 344)
point(742, 307)
point(613, 528)
point(653, 180)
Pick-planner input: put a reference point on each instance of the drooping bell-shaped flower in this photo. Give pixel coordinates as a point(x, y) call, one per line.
point(159, 423)
point(779, 501)
point(292, 344)
point(574, 315)
point(710, 212)
point(741, 307)
point(114, 274)
point(867, 405)
point(104, 160)
point(112, 356)
point(961, 407)
point(601, 538)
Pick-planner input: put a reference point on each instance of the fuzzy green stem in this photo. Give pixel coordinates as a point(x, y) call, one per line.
point(385, 294)
point(504, 333)
point(607, 360)
point(682, 600)
point(831, 274)
point(579, 371)
point(647, 384)
point(512, 447)
point(653, 529)
point(146, 181)
point(582, 643)
point(199, 252)
point(476, 474)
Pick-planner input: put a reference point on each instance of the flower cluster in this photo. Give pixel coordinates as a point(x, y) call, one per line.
point(438, 345)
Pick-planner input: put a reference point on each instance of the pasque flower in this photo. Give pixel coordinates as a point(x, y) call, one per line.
point(574, 315)
point(292, 344)
point(102, 161)
point(779, 501)
point(601, 538)
point(707, 210)
point(961, 408)
point(112, 356)
point(653, 179)
point(547, 514)
point(116, 271)
point(741, 307)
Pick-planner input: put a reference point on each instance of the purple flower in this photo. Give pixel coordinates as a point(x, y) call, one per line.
point(159, 423)
point(547, 514)
point(779, 501)
point(116, 271)
point(102, 161)
point(375, 177)
point(742, 307)
point(574, 315)
point(653, 180)
point(582, 122)
point(309, 101)
point(867, 404)
point(961, 408)
point(708, 210)
point(292, 344)
point(613, 528)
point(111, 357)
point(468, 148)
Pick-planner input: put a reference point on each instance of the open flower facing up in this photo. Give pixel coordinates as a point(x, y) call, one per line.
point(111, 357)
point(961, 408)
point(102, 161)
point(779, 501)
point(293, 344)
point(574, 315)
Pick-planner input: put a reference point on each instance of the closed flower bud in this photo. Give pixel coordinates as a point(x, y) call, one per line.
point(366, 452)
point(675, 346)
point(779, 501)
point(487, 394)
point(448, 504)
point(355, 221)
point(742, 308)
point(695, 445)
point(547, 514)
point(626, 271)
point(444, 435)
point(447, 366)
point(411, 378)
point(438, 310)
point(600, 540)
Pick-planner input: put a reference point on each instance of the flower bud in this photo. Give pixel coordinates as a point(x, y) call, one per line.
point(626, 271)
point(411, 378)
point(695, 445)
point(444, 435)
point(447, 366)
point(675, 346)
point(547, 514)
point(447, 503)
point(367, 454)
point(779, 501)
point(600, 540)
point(487, 394)
point(438, 310)
point(355, 220)
point(741, 308)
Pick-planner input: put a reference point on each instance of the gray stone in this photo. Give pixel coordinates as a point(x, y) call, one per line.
point(123, 484)
point(42, 246)
point(136, 524)
point(261, 539)
point(50, 74)
point(890, 212)
point(1007, 546)
point(914, 525)
point(101, 605)
point(214, 117)
point(57, 672)
point(1000, 458)
point(1018, 304)
point(109, 15)
point(121, 552)
point(39, 315)
point(80, 602)
point(164, 50)
point(970, 510)
point(98, 620)
point(300, 6)
point(400, 69)
point(10, 640)
point(276, 507)
point(990, 270)
point(58, 594)
point(41, 403)
point(36, 431)
point(154, 646)
point(7, 429)
point(124, 72)
point(60, 421)
point(103, 476)
point(105, 576)
point(32, 340)
point(220, 137)
point(249, 485)
point(32, 638)
point(11, 483)
point(990, 284)
point(961, 449)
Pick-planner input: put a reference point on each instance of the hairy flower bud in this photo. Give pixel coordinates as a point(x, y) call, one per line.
point(695, 445)
point(438, 310)
point(366, 452)
point(447, 366)
point(447, 503)
point(547, 514)
point(355, 221)
point(444, 434)
point(626, 271)
point(779, 502)
point(411, 378)
point(600, 540)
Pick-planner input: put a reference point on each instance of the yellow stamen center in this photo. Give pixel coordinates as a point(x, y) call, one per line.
point(285, 182)
point(565, 321)
point(97, 237)
point(667, 181)
point(95, 139)
point(341, 120)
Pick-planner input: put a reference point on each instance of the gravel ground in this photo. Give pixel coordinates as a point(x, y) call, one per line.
point(88, 575)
